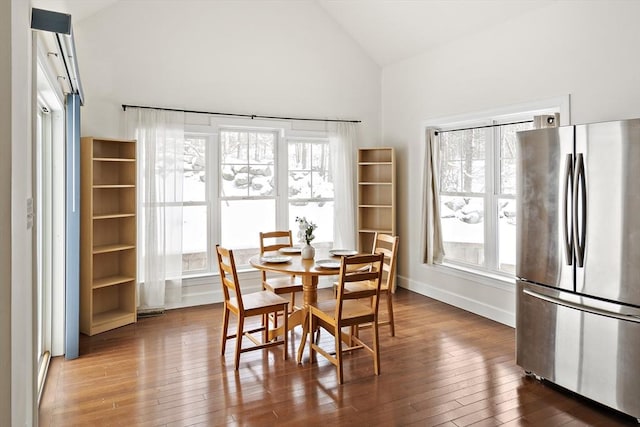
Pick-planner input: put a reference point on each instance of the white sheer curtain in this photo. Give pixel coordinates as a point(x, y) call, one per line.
point(432, 230)
point(160, 149)
point(342, 145)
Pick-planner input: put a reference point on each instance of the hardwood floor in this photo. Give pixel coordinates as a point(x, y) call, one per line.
point(444, 367)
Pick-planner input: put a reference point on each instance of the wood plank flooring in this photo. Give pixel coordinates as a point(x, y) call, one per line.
point(444, 367)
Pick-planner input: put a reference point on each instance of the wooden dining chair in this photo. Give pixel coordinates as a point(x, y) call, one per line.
point(260, 303)
point(388, 246)
point(349, 309)
point(279, 284)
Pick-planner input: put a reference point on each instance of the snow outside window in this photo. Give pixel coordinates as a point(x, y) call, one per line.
point(240, 181)
point(248, 189)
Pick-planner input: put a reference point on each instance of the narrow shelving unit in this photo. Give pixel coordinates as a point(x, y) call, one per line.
point(376, 194)
point(107, 234)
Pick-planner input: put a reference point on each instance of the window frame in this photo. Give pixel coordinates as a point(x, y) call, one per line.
point(290, 224)
point(489, 230)
point(211, 265)
point(212, 130)
point(241, 253)
point(277, 142)
point(500, 115)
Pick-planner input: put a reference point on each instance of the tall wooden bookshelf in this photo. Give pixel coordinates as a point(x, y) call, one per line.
point(107, 234)
point(376, 194)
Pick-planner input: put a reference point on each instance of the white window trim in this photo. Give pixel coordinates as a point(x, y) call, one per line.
point(562, 104)
point(209, 126)
point(207, 203)
point(50, 93)
point(309, 140)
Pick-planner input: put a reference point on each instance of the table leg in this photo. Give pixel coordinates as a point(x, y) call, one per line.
point(310, 297)
point(295, 318)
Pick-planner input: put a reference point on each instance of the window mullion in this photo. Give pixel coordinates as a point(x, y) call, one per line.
point(492, 196)
point(488, 199)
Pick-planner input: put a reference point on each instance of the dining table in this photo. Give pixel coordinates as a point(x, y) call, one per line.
point(289, 261)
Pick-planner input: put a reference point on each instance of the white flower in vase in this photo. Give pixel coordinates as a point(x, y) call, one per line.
point(305, 234)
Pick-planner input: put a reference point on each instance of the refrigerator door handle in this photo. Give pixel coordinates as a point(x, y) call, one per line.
point(567, 231)
point(579, 236)
point(586, 308)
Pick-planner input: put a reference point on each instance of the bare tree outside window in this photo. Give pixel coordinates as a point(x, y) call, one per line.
point(310, 186)
point(477, 178)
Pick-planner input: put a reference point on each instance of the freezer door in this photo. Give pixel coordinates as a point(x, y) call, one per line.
point(544, 161)
point(608, 211)
point(583, 344)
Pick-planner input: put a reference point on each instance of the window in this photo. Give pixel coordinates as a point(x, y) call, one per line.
point(239, 181)
point(44, 236)
point(477, 193)
point(195, 209)
point(247, 189)
point(48, 174)
point(310, 187)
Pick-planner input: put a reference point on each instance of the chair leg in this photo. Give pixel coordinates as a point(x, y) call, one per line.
point(352, 333)
point(239, 336)
point(314, 339)
point(376, 348)
point(225, 325)
point(265, 330)
point(390, 310)
point(338, 338)
point(275, 320)
point(286, 328)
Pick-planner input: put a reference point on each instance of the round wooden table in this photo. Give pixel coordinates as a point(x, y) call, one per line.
point(309, 271)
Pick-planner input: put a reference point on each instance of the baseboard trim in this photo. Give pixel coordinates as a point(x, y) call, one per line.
point(482, 309)
point(209, 291)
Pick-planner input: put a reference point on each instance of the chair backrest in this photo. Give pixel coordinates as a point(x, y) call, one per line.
point(388, 246)
point(360, 268)
point(229, 275)
point(274, 240)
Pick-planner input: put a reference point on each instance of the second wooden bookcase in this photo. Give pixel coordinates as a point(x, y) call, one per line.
point(107, 234)
point(376, 194)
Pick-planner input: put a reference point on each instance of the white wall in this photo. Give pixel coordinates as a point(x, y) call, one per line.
point(5, 214)
point(284, 58)
point(587, 49)
point(21, 350)
point(257, 57)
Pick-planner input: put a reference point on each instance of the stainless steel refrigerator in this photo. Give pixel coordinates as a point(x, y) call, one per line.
point(578, 259)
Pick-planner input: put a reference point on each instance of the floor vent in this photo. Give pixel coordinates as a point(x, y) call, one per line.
point(151, 313)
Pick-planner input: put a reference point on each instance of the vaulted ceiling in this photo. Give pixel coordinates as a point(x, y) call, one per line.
point(393, 30)
point(388, 30)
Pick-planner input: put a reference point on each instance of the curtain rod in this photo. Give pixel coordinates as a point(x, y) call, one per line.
point(251, 116)
point(481, 127)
